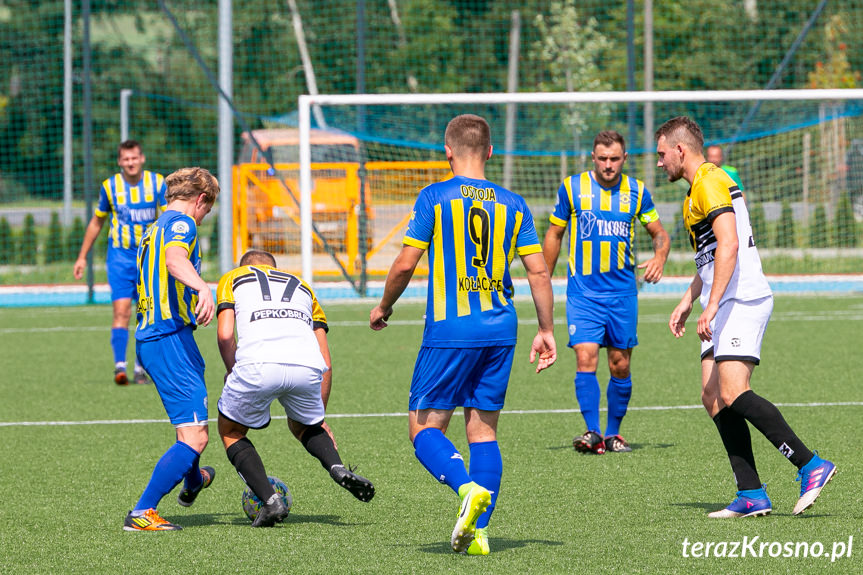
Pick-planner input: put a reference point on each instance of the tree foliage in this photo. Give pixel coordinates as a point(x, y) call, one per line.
point(449, 46)
point(818, 236)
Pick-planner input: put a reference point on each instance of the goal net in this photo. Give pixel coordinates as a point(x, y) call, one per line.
point(799, 155)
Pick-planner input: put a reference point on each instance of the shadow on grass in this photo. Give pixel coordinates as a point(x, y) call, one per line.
point(701, 505)
point(717, 506)
point(634, 446)
point(240, 519)
point(497, 545)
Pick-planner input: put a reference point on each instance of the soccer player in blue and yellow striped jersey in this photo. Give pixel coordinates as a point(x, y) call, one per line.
point(133, 199)
point(173, 300)
point(601, 207)
point(472, 229)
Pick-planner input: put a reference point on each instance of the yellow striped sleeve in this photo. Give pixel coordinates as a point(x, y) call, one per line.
point(318, 315)
point(567, 184)
point(179, 243)
point(106, 189)
point(557, 221)
point(413, 242)
point(531, 249)
point(225, 289)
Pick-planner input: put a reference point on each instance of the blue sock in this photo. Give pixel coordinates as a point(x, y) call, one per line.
point(193, 478)
point(587, 394)
point(119, 340)
point(440, 457)
point(618, 393)
point(486, 468)
point(169, 471)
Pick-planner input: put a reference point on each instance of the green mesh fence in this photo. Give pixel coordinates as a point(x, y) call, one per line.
point(809, 156)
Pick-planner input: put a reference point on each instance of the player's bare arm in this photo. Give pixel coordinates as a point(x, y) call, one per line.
point(397, 280)
point(654, 267)
point(327, 382)
point(551, 246)
point(543, 345)
point(725, 260)
point(677, 322)
point(179, 266)
point(94, 228)
point(225, 337)
point(327, 378)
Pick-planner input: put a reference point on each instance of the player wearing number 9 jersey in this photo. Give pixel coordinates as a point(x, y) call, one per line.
point(472, 229)
point(280, 352)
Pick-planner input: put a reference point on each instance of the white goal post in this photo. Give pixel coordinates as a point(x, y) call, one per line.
point(307, 102)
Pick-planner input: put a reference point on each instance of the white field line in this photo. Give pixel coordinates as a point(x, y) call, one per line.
point(403, 414)
point(831, 315)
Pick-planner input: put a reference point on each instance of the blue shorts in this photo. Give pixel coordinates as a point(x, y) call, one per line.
point(610, 322)
point(122, 267)
point(446, 377)
point(177, 369)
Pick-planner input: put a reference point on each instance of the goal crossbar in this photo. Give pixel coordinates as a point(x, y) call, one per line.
point(306, 102)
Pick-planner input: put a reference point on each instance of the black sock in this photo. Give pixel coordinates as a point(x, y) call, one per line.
point(734, 432)
point(319, 443)
point(244, 457)
point(769, 421)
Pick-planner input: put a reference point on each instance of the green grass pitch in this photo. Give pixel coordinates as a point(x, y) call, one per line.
point(77, 451)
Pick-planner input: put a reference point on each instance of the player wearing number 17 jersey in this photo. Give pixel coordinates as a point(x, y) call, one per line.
point(737, 304)
point(472, 229)
point(280, 353)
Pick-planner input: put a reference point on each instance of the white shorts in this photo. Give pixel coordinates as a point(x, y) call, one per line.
point(252, 387)
point(738, 329)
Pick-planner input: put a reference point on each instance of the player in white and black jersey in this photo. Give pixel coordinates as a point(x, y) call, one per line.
point(737, 303)
point(280, 353)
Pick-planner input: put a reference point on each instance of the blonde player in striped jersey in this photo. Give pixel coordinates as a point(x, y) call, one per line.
point(280, 352)
point(133, 198)
point(601, 207)
point(737, 302)
point(173, 300)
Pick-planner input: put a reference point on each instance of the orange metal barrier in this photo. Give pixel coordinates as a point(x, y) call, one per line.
point(267, 214)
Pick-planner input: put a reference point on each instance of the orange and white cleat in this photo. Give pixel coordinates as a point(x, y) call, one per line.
point(148, 521)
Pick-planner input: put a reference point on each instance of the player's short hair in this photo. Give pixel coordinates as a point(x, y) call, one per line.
point(609, 138)
point(188, 183)
point(259, 257)
point(468, 135)
point(128, 145)
point(682, 130)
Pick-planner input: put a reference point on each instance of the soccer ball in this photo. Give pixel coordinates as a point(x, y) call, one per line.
point(252, 505)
